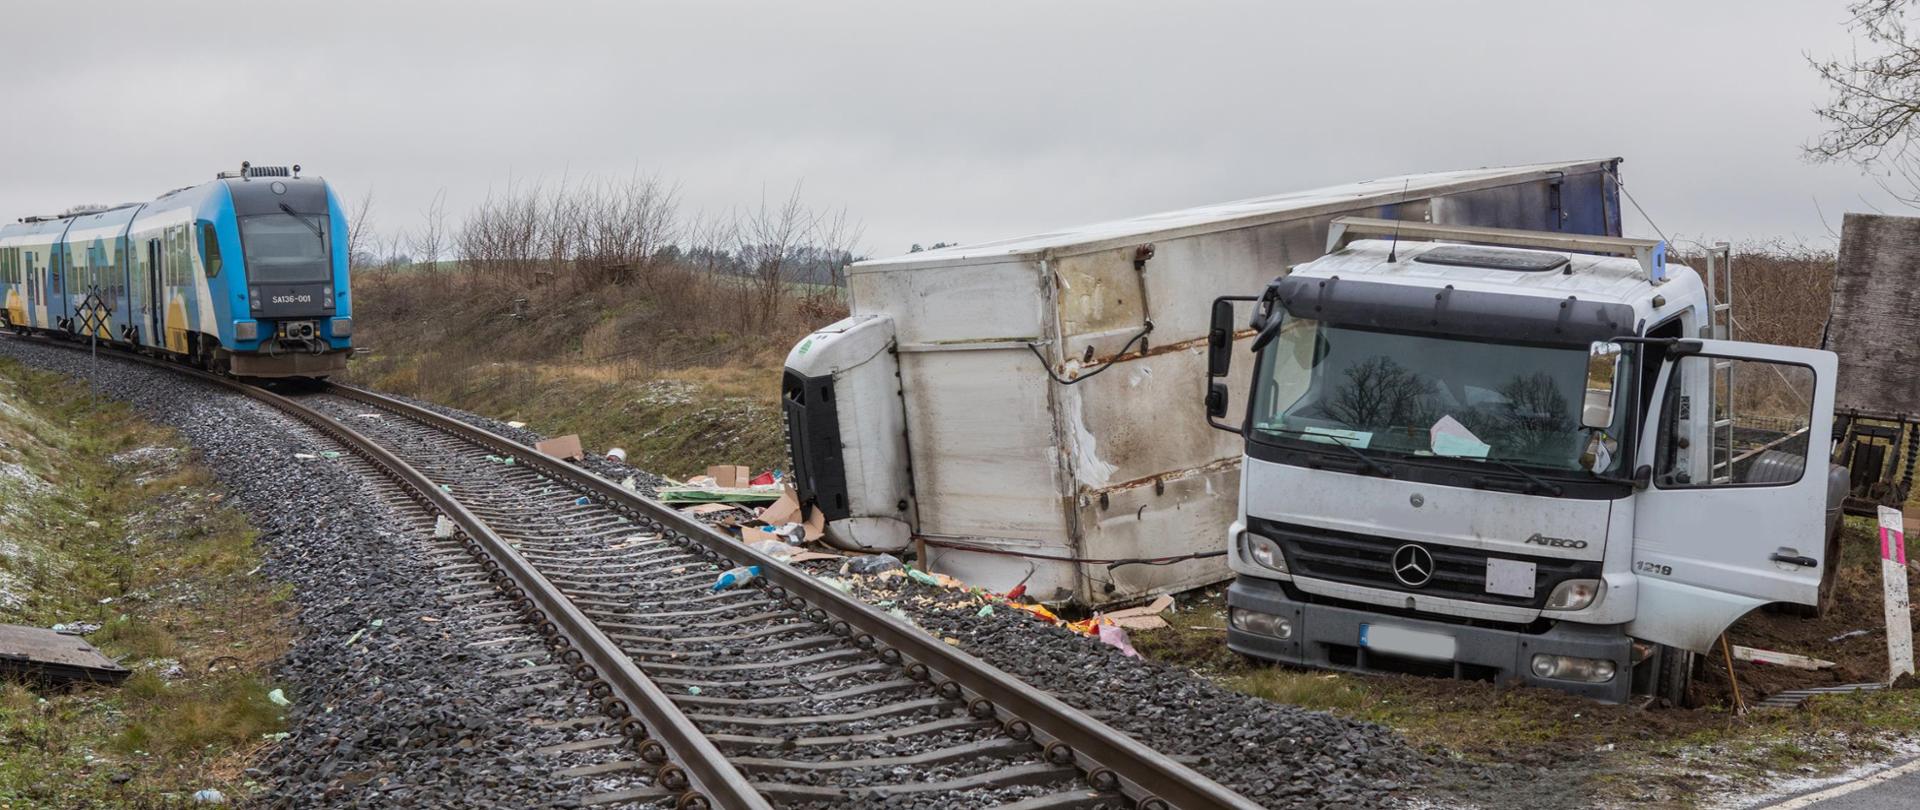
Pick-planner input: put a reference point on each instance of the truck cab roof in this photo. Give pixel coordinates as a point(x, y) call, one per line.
point(1513, 271)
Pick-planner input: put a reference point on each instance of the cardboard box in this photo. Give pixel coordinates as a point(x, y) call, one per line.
point(562, 447)
point(730, 476)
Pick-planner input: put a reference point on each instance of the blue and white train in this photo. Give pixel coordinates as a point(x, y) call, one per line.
point(246, 274)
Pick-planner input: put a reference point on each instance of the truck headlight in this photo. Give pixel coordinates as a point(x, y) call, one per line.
point(1573, 668)
point(1575, 594)
point(1266, 553)
point(343, 327)
point(1266, 624)
point(246, 330)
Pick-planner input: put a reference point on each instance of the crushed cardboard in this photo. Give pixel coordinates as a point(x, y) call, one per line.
point(787, 509)
point(1145, 617)
point(710, 508)
point(566, 448)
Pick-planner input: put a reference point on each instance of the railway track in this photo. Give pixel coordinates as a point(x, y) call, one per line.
point(784, 693)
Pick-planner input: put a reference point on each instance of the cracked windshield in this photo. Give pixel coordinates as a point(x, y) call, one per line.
point(1419, 395)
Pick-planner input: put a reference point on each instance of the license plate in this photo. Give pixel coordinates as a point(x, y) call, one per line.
point(1411, 643)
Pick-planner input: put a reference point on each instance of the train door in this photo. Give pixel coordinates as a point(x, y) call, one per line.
point(32, 284)
point(156, 306)
point(122, 316)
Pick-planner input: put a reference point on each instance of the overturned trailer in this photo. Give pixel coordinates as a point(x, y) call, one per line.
point(1019, 409)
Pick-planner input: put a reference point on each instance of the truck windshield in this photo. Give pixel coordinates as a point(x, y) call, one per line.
point(282, 248)
point(1411, 395)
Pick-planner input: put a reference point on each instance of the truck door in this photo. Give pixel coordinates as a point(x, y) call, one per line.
point(1737, 442)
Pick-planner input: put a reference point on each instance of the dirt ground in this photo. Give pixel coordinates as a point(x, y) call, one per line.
point(1546, 749)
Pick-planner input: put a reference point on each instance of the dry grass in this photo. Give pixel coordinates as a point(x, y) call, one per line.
point(149, 553)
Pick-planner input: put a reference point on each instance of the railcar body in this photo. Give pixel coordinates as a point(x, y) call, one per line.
point(246, 274)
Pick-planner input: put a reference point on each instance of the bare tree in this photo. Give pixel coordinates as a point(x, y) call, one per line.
point(771, 239)
point(1876, 99)
point(431, 241)
point(360, 234)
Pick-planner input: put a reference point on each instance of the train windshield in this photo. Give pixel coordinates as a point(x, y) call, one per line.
point(283, 248)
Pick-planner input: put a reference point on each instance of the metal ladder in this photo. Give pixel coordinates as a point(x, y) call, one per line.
point(1720, 320)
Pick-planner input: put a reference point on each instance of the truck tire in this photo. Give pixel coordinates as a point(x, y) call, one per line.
point(1673, 677)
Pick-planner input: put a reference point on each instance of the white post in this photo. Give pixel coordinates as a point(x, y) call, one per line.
point(1893, 575)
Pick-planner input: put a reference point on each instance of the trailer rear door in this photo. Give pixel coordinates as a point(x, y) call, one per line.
point(1737, 446)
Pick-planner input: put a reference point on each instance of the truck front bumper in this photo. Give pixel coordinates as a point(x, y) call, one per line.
point(1328, 637)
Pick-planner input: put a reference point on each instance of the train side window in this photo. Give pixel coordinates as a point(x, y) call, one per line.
point(209, 249)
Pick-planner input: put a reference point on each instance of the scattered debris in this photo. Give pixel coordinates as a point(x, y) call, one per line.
point(1142, 618)
point(1847, 635)
point(1115, 636)
point(279, 698)
point(735, 577)
point(209, 796)
point(516, 425)
point(76, 628)
point(566, 447)
point(54, 657)
point(870, 564)
point(1780, 659)
point(442, 527)
point(617, 455)
point(696, 493)
point(711, 508)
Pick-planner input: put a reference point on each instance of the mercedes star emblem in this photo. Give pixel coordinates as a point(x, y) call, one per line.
point(1412, 565)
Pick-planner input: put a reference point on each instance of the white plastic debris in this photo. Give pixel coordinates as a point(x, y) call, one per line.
point(616, 454)
point(442, 527)
point(209, 796)
point(628, 483)
point(516, 425)
point(279, 698)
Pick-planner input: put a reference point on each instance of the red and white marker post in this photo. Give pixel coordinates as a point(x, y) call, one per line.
point(1893, 575)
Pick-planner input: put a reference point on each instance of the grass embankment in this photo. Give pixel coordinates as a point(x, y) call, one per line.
point(1616, 752)
point(665, 365)
point(103, 520)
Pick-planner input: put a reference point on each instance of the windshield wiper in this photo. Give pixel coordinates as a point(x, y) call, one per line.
point(317, 233)
point(1371, 464)
point(1534, 481)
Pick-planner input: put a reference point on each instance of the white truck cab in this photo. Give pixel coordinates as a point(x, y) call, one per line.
point(1512, 455)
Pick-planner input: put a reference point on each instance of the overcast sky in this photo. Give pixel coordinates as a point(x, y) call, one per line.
point(958, 122)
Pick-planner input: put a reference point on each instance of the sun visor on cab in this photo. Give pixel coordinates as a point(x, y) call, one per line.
point(1450, 311)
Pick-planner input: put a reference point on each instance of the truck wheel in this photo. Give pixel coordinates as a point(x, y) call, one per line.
point(1673, 676)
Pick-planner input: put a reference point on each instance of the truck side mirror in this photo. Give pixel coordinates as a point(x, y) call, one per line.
point(1603, 365)
point(1216, 399)
point(1220, 344)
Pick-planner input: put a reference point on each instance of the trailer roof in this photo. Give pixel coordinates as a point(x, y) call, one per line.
point(1236, 214)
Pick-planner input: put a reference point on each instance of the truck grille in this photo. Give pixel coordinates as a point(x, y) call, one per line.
point(1361, 559)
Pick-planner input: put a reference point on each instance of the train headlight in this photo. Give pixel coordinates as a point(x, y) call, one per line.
point(246, 330)
point(342, 327)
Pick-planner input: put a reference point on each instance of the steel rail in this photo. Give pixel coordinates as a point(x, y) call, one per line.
point(1111, 759)
point(689, 764)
